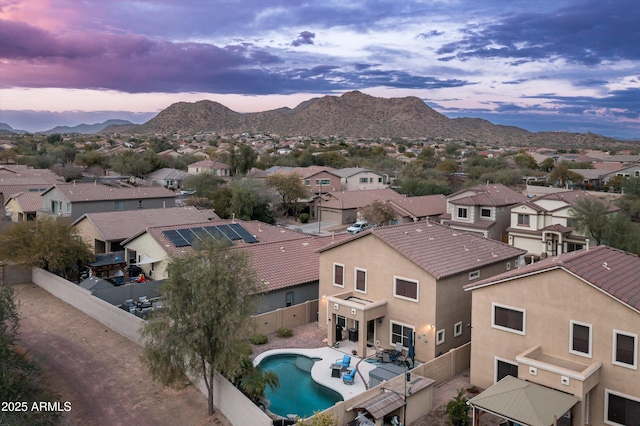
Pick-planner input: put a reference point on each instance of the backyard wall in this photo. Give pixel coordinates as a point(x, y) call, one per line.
point(290, 317)
point(14, 274)
point(231, 402)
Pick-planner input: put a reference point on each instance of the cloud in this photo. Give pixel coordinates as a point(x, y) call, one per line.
point(304, 37)
point(430, 34)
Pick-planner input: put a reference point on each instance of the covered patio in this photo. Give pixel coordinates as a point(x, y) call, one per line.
point(524, 403)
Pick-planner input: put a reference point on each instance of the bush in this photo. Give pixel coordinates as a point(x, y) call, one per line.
point(285, 332)
point(259, 339)
point(304, 218)
point(458, 410)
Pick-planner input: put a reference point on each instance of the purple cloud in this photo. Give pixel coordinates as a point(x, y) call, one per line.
point(304, 37)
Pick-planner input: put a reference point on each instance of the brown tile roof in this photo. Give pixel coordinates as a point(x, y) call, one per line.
point(440, 250)
point(423, 206)
point(283, 264)
point(613, 271)
point(119, 225)
point(573, 197)
point(29, 201)
point(8, 190)
point(478, 224)
point(209, 164)
point(84, 192)
point(354, 199)
point(487, 195)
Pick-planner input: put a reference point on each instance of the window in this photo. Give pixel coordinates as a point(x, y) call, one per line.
point(462, 212)
point(621, 409)
point(405, 289)
point(317, 182)
point(637, 173)
point(289, 298)
point(523, 219)
point(574, 247)
point(580, 340)
point(307, 182)
point(485, 212)
point(68, 207)
point(400, 333)
point(338, 275)
point(505, 368)
point(440, 337)
point(325, 181)
point(364, 180)
point(379, 180)
point(457, 329)
point(508, 319)
point(361, 280)
point(139, 204)
point(508, 266)
point(474, 275)
point(625, 351)
point(119, 205)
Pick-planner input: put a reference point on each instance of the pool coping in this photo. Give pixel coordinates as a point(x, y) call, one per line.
point(321, 370)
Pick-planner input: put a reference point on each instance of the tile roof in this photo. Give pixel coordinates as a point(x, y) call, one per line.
point(355, 199)
point(8, 190)
point(613, 271)
point(440, 250)
point(28, 201)
point(167, 173)
point(209, 164)
point(350, 171)
point(487, 195)
point(573, 197)
point(422, 206)
point(118, 225)
point(283, 264)
point(83, 192)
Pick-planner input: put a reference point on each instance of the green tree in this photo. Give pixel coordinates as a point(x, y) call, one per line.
point(130, 163)
point(242, 159)
point(205, 184)
point(290, 189)
point(208, 300)
point(8, 155)
point(377, 213)
point(591, 217)
point(47, 243)
point(447, 166)
point(249, 201)
point(547, 164)
point(562, 176)
point(526, 161)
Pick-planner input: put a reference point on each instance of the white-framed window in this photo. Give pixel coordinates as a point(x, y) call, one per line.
point(360, 278)
point(457, 329)
point(119, 205)
point(325, 181)
point(474, 275)
point(486, 213)
point(580, 338)
point(462, 212)
point(317, 182)
point(440, 337)
point(364, 180)
point(523, 219)
point(637, 173)
point(400, 333)
point(508, 266)
point(405, 288)
point(503, 367)
point(338, 275)
point(307, 182)
point(625, 349)
point(621, 409)
point(508, 318)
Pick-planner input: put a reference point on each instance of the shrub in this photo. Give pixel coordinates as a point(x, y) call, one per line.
point(259, 339)
point(285, 332)
point(304, 218)
point(458, 410)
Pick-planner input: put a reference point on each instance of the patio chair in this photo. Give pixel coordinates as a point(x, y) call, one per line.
point(345, 362)
point(349, 377)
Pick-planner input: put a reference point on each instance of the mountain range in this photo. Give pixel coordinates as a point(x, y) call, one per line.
point(353, 115)
point(84, 129)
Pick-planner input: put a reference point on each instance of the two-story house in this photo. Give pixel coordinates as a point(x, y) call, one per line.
point(208, 166)
point(568, 323)
point(391, 282)
point(482, 209)
point(544, 226)
point(340, 207)
point(72, 200)
point(357, 178)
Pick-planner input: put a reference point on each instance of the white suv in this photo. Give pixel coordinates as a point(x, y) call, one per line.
point(357, 227)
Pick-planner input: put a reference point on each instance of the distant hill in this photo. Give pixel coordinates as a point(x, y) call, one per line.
point(355, 115)
point(5, 129)
point(87, 129)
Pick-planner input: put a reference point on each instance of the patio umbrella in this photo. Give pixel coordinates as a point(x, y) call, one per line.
point(411, 350)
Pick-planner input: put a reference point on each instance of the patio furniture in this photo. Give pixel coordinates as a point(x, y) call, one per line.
point(386, 357)
point(336, 369)
point(349, 377)
point(345, 362)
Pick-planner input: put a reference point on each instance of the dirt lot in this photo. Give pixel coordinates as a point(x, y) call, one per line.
point(98, 370)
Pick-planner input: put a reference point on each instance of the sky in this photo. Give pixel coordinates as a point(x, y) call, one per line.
point(544, 65)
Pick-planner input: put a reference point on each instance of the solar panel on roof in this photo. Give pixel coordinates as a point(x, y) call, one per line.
point(176, 238)
point(188, 235)
point(246, 236)
point(229, 232)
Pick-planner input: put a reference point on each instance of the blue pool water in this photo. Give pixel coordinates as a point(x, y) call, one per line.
point(298, 393)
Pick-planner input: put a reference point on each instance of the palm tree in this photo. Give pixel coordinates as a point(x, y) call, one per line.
point(256, 381)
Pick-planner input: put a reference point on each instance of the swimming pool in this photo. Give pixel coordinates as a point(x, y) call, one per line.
point(298, 393)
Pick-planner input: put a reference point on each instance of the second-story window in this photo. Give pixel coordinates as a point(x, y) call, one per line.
point(405, 289)
point(361, 280)
point(508, 319)
point(523, 219)
point(462, 212)
point(580, 343)
point(486, 213)
point(338, 275)
point(307, 182)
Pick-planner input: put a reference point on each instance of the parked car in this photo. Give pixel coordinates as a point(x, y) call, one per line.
point(187, 191)
point(357, 227)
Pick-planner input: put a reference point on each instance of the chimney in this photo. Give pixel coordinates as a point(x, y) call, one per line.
point(587, 244)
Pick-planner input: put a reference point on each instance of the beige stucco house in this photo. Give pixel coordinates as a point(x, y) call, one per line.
point(544, 226)
point(22, 207)
point(207, 166)
point(389, 282)
point(359, 179)
point(569, 323)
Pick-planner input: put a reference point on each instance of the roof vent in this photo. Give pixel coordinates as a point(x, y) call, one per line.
point(605, 265)
point(418, 230)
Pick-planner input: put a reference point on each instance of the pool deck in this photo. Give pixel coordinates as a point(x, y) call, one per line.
point(321, 370)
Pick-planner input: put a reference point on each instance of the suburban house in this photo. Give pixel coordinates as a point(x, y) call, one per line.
point(72, 200)
point(322, 181)
point(169, 178)
point(415, 209)
point(356, 178)
point(569, 324)
point(482, 209)
point(285, 261)
point(628, 172)
point(22, 207)
point(15, 178)
point(544, 226)
point(207, 166)
point(104, 231)
point(389, 283)
point(340, 207)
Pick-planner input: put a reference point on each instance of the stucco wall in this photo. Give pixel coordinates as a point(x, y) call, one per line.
point(290, 317)
point(277, 299)
point(14, 274)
